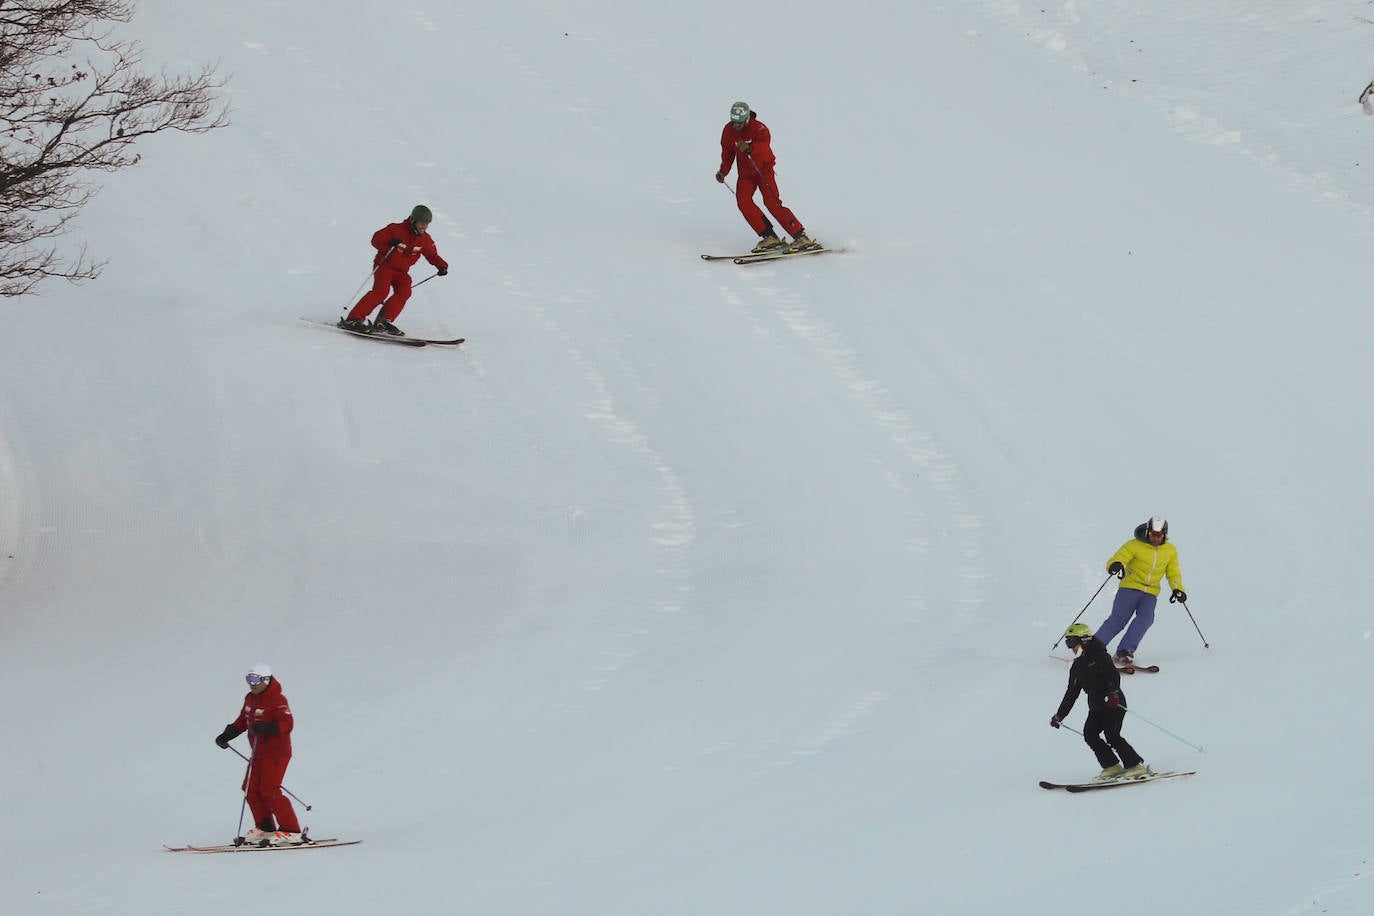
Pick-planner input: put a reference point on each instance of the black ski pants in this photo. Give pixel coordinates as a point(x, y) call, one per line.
point(1102, 731)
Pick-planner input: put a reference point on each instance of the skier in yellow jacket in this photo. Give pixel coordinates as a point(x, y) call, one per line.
point(1141, 564)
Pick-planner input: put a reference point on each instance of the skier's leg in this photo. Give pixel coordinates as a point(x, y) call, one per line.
point(744, 198)
point(1092, 735)
point(281, 807)
point(257, 802)
point(400, 285)
point(773, 201)
point(1123, 606)
point(381, 284)
point(1144, 618)
point(1111, 728)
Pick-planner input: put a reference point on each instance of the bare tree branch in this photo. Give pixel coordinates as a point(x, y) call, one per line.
point(74, 101)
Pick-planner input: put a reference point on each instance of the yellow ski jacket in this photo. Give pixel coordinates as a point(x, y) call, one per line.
point(1147, 564)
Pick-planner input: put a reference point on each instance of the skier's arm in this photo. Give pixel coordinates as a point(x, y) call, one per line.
point(229, 734)
point(727, 152)
point(281, 722)
point(1174, 574)
point(1070, 697)
point(431, 254)
point(761, 151)
point(1122, 556)
point(384, 239)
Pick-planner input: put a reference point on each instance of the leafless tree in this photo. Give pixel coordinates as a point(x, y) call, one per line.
point(73, 102)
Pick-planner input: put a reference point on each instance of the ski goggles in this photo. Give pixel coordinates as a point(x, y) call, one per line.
point(1073, 642)
point(256, 679)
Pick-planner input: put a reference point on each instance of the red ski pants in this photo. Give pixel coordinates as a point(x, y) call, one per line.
point(394, 280)
point(744, 196)
point(267, 801)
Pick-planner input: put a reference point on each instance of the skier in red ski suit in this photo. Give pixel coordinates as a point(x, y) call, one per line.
point(399, 246)
point(266, 717)
point(746, 140)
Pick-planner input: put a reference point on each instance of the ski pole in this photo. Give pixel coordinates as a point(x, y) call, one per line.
point(1195, 626)
point(1109, 578)
point(1165, 730)
point(283, 788)
point(1072, 729)
point(244, 804)
point(371, 274)
point(763, 179)
point(421, 283)
point(354, 298)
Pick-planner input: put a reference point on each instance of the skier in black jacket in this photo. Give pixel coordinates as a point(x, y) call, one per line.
point(1094, 674)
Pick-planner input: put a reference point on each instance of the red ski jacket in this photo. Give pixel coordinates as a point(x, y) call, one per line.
point(412, 245)
point(272, 713)
point(761, 151)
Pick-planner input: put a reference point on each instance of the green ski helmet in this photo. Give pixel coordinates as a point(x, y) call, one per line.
point(421, 214)
point(739, 112)
point(1077, 633)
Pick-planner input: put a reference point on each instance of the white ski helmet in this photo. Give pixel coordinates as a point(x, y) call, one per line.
point(260, 670)
point(1158, 525)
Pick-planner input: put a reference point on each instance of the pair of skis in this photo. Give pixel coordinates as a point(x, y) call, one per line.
point(1133, 668)
point(248, 847)
point(388, 338)
point(776, 254)
point(1099, 784)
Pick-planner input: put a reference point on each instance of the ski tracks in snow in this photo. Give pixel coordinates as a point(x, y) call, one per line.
point(1074, 30)
point(915, 456)
point(675, 526)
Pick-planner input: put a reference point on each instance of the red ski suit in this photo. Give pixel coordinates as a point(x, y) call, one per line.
point(393, 268)
point(756, 173)
point(271, 754)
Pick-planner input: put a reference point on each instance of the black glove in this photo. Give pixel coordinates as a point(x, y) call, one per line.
point(265, 728)
point(1115, 700)
point(443, 271)
point(1117, 569)
point(393, 243)
point(229, 734)
point(1178, 597)
point(1054, 721)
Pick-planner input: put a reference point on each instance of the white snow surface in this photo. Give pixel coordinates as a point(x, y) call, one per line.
point(688, 588)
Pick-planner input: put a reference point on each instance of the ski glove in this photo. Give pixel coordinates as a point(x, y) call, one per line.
point(1179, 596)
point(393, 243)
point(1117, 569)
point(720, 177)
point(1114, 699)
point(265, 728)
point(1054, 721)
point(443, 271)
point(229, 734)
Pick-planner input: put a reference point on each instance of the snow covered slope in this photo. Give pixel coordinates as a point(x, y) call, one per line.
point(689, 588)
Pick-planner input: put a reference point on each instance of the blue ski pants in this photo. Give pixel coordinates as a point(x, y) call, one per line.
point(1129, 603)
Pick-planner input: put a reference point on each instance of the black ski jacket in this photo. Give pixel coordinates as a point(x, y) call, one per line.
point(1093, 673)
